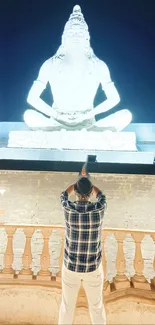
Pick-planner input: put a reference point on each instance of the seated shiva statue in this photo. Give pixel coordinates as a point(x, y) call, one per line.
point(74, 74)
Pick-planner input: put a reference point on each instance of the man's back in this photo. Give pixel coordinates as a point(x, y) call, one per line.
point(83, 223)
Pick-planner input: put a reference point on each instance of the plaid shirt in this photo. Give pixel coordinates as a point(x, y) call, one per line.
point(83, 233)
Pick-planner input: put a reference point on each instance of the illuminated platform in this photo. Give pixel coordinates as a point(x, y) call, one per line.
point(145, 143)
point(73, 140)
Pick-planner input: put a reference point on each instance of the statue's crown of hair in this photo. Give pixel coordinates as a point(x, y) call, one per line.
point(76, 20)
point(77, 8)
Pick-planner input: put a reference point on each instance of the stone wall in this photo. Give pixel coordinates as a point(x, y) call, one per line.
point(33, 198)
point(40, 305)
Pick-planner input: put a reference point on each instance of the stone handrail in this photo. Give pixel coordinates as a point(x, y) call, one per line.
point(120, 281)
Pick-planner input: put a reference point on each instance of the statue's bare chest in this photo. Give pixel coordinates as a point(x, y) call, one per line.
point(74, 78)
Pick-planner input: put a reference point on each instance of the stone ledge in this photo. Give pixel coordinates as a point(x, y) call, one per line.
point(46, 155)
point(20, 301)
point(147, 296)
point(81, 140)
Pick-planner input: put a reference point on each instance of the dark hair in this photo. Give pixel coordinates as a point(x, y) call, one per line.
point(83, 187)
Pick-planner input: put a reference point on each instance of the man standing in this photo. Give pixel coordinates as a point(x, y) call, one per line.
point(83, 250)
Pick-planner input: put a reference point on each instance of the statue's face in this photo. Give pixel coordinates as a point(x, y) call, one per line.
point(76, 41)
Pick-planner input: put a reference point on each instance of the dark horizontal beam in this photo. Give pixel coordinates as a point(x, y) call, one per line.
point(64, 166)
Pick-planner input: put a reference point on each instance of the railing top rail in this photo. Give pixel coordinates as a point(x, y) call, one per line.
point(37, 226)
point(129, 230)
point(59, 227)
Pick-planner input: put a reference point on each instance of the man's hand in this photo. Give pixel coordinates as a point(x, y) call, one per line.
point(83, 171)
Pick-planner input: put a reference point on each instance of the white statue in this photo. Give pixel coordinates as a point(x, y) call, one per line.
point(74, 74)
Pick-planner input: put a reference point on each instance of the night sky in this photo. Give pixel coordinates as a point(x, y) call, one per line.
point(122, 34)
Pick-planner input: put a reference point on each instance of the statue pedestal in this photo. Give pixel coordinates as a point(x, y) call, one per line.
point(80, 140)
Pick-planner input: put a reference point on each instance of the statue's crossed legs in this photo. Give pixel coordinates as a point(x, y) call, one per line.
point(114, 122)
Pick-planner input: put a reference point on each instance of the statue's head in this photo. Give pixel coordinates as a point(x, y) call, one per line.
point(76, 38)
point(76, 35)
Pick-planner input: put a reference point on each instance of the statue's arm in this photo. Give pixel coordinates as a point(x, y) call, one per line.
point(37, 88)
point(109, 89)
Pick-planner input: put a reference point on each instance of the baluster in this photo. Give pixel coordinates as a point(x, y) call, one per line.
point(138, 280)
point(61, 253)
point(120, 280)
point(9, 256)
point(27, 255)
point(153, 280)
point(44, 273)
point(104, 262)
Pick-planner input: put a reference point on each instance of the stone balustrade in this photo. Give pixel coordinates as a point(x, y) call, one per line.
point(120, 281)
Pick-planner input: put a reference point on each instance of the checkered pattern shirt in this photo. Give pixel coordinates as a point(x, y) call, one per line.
point(83, 233)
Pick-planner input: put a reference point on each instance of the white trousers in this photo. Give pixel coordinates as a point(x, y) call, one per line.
point(93, 285)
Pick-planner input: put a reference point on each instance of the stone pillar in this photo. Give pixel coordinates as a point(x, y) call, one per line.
point(8, 271)
point(44, 273)
point(104, 263)
point(153, 280)
point(138, 280)
point(120, 280)
point(26, 271)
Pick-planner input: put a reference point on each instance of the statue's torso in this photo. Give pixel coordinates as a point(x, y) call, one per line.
point(73, 88)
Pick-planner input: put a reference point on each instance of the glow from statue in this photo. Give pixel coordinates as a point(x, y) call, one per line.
point(74, 74)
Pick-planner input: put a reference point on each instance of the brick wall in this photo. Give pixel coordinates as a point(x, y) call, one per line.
point(33, 198)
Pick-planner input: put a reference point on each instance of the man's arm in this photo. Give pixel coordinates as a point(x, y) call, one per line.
point(70, 190)
point(109, 89)
point(38, 87)
point(101, 199)
point(64, 195)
